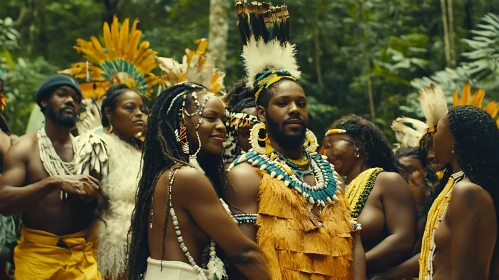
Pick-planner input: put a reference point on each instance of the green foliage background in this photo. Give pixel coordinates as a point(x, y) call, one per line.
point(400, 40)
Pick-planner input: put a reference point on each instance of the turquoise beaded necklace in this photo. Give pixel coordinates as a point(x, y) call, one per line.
point(324, 192)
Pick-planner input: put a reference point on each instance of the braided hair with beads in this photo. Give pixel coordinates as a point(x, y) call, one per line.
point(161, 151)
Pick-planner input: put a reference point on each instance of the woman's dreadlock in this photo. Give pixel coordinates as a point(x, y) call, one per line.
point(240, 97)
point(160, 139)
point(476, 147)
point(371, 142)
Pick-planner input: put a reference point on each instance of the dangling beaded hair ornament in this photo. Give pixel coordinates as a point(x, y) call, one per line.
point(181, 132)
point(52, 163)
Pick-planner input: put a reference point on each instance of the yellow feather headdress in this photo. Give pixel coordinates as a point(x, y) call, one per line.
point(197, 67)
point(122, 60)
point(476, 100)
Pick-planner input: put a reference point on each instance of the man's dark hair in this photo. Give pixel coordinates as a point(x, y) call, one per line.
point(372, 143)
point(161, 151)
point(111, 99)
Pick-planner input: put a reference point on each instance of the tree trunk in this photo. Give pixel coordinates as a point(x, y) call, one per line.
point(318, 58)
point(219, 31)
point(446, 33)
point(452, 34)
point(368, 60)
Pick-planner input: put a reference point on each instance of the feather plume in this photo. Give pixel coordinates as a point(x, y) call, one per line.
point(492, 107)
point(433, 103)
point(408, 136)
point(120, 62)
point(196, 67)
point(265, 31)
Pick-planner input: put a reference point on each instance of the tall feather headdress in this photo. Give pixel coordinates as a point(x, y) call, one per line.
point(265, 31)
point(197, 67)
point(476, 100)
point(433, 103)
point(123, 59)
point(409, 135)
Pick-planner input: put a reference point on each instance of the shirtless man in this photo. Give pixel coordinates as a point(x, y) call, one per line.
point(39, 182)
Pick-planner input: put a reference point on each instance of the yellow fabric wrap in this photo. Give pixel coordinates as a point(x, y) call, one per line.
point(270, 80)
point(294, 244)
point(37, 256)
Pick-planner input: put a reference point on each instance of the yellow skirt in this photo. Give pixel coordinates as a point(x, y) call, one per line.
point(42, 255)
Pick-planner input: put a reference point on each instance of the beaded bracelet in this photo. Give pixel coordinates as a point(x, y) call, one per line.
point(246, 218)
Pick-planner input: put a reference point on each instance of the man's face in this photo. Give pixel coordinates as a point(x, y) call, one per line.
point(62, 106)
point(286, 115)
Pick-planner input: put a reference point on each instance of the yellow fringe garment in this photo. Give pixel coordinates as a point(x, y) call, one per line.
point(294, 244)
point(434, 217)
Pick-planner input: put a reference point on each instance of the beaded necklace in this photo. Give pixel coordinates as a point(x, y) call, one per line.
point(279, 167)
point(51, 161)
point(434, 218)
point(215, 266)
point(359, 189)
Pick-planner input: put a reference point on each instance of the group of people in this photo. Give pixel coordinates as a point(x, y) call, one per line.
point(205, 186)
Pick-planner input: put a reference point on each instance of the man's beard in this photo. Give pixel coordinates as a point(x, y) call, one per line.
point(284, 140)
point(61, 118)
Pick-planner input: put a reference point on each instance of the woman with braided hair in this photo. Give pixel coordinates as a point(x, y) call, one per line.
point(460, 239)
point(178, 213)
point(376, 193)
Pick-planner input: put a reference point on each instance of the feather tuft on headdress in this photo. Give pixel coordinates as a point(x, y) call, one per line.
point(265, 31)
point(433, 103)
point(492, 107)
point(406, 135)
point(196, 67)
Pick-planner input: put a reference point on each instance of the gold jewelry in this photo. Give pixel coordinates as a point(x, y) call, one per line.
point(311, 144)
point(255, 139)
point(302, 161)
point(110, 129)
point(356, 152)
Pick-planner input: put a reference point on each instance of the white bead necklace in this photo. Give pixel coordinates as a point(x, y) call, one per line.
point(51, 161)
point(216, 268)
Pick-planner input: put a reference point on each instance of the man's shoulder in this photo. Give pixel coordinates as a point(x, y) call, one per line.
point(25, 143)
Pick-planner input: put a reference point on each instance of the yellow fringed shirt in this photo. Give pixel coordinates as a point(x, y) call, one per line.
point(292, 240)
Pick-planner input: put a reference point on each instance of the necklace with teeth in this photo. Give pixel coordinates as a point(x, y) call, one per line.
point(325, 190)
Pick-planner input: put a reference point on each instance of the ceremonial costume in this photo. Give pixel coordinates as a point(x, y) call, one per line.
point(198, 73)
point(43, 255)
point(125, 60)
point(438, 209)
point(298, 242)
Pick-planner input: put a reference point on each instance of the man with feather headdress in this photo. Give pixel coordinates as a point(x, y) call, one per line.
point(285, 195)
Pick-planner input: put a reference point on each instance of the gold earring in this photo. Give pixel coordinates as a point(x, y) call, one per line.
point(110, 129)
point(255, 139)
point(356, 152)
point(311, 144)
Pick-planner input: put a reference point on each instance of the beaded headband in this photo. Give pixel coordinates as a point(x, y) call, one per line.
point(269, 78)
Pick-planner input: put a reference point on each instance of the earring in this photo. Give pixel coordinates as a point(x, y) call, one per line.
point(356, 152)
point(255, 139)
point(311, 142)
point(181, 135)
point(110, 129)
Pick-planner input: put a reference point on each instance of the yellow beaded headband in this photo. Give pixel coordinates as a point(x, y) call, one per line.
point(335, 131)
point(269, 78)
